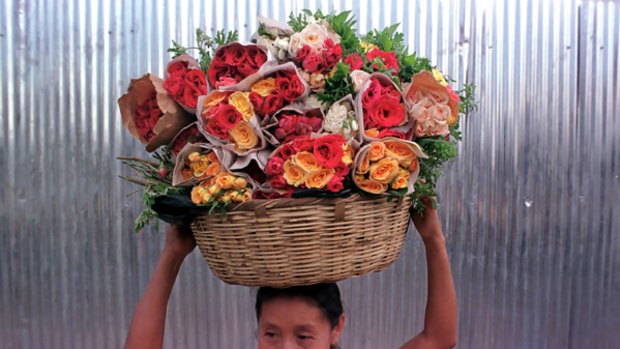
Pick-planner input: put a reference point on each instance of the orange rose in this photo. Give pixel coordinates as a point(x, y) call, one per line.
point(212, 99)
point(186, 173)
point(319, 179)
point(212, 157)
point(244, 136)
point(347, 157)
point(212, 169)
point(194, 156)
point(306, 161)
point(199, 166)
point(372, 132)
point(293, 175)
point(401, 179)
point(197, 194)
point(214, 189)
point(376, 151)
point(264, 87)
point(364, 165)
point(225, 180)
point(401, 152)
point(240, 183)
point(384, 170)
point(241, 102)
point(370, 186)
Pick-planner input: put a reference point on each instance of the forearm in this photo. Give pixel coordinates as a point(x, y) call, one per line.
point(440, 321)
point(149, 319)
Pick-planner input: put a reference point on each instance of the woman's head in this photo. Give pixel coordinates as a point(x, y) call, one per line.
point(308, 317)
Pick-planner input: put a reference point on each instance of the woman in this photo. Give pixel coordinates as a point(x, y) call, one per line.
point(307, 317)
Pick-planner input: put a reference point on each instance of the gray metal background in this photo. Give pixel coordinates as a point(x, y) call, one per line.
point(531, 208)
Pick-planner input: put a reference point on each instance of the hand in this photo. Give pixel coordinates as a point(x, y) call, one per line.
point(428, 224)
point(179, 240)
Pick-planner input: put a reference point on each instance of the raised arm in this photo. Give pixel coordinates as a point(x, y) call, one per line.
point(149, 318)
point(440, 319)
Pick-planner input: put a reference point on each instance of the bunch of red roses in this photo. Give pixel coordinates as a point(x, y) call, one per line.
point(146, 116)
point(185, 85)
point(383, 109)
point(233, 63)
point(320, 163)
point(320, 59)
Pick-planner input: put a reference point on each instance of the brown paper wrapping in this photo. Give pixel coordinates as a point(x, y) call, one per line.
point(425, 80)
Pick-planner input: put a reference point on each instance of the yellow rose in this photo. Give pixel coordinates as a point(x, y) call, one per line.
point(401, 152)
point(199, 166)
point(197, 195)
point(244, 136)
point(213, 189)
point(376, 151)
point(306, 161)
point(372, 132)
point(240, 183)
point(264, 87)
point(194, 156)
point(364, 165)
point(319, 179)
point(367, 46)
point(439, 77)
point(347, 157)
point(241, 102)
point(370, 186)
point(212, 99)
point(293, 175)
point(247, 195)
point(401, 179)
point(384, 170)
point(227, 197)
point(225, 180)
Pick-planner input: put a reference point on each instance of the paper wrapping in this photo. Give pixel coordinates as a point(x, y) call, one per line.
point(425, 81)
point(173, 120)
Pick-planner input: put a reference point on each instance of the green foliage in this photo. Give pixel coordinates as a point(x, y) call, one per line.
point(299, 22)
point(412, 64)
point(343, 24)
point(337, 86)
point(467, 96)
point(152, 179)
point(387, 39)
point(205, 45)
point(439, 151)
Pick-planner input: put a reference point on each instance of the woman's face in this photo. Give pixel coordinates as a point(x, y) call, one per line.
point(290, 322)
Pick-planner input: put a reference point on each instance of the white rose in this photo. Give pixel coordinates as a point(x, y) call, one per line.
point(317, 81)
point(312, 101)
point(358, 77)
point(335, 117)
point(294, 44)
point(314, 35)
point(282, 55)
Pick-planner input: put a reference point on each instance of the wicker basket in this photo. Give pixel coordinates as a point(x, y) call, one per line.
point(287, 242)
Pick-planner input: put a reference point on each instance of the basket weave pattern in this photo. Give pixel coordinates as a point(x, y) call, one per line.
point(287, 242)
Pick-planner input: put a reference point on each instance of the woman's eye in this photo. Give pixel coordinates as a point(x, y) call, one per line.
point(270, 334)
point(304, 337)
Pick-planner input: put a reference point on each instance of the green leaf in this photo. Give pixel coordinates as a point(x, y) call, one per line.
point(337, 86)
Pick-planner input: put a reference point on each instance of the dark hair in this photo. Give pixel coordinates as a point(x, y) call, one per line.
point(325, 296)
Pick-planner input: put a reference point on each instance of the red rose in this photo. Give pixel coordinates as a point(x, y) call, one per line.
point(328, 150)
point(354, 61)
point(283, 84)
point(304, 51)
point(285, 151)
point(296, 87)
point(313, 63)
point(195, 86)
point(388, 59)
point(174, 86)
point(386, 113)
point(246, 69)
point(274, 166)
point(342, 169)
point(392, 93)
point(233, 54)
point(391, 133)
point(335, 184)
point(278, 182)
point(255, 55)
point(215, 128)
point(272, 104)
point(333, 55)
point(287, 122)
point(372, 93)
point(216, 70)
point(257, 102)
point(221, 118)
point(178, 67)
point(303, 143)
point(453, 94)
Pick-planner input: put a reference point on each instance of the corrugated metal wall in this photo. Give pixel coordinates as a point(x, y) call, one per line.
point(531, 208)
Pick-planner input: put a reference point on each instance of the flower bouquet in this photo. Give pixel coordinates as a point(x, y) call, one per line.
point(307, 115)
